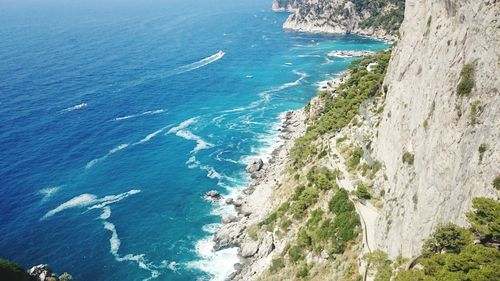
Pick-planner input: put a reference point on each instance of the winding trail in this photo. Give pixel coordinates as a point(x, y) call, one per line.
point(367, 212)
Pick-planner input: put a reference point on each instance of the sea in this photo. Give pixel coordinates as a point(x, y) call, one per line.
point(116, 116)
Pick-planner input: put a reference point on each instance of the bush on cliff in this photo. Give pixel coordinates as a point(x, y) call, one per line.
point(12, 272)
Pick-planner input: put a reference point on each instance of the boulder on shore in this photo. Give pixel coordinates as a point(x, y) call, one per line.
point(254, 166)
point(213, 195)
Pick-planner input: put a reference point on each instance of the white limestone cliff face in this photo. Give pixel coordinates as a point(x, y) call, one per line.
point(346, 17)
point(424, 116)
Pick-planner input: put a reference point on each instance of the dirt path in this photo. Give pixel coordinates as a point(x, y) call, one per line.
point(367, 212)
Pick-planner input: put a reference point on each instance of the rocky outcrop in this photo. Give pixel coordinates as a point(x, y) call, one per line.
point(375, 18)
point(286, 5)
point(439, 148)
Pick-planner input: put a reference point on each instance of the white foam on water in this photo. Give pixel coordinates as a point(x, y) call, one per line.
point(302, 76)
point(48, 192)
point(200, 143)
point(79, 201)
point(91, 163)
point(211, 228)
point(75, 107)
point(201, 63)
point(243, 108)
point(92, 202)
point(183, 125)
point(150, 136)
point(118, 148)
point(180, 131)
point(213, 262)
point(309, 56)
point(149, 112)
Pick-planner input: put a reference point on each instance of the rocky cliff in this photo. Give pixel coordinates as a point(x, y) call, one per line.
point(376, 18)
point(439, 135)
point(286, 5)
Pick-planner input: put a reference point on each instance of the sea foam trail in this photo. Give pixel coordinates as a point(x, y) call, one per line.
point(266, 95)
point(75, 107)
point(149, 112)
point(208, 60)
point(91, 201)
point(181, 131)
point(91, 163)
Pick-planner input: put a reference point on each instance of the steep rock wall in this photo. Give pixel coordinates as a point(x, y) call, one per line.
point(376, 18)
point(425, 117)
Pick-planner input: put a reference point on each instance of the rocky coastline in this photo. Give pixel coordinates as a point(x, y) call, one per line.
point(256, 201)
point(260, 198)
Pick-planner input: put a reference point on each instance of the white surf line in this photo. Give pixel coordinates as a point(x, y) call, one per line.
point(201, 63)
point(75, 107)
point(149, 112)
point(91, 202)
point(181, 131)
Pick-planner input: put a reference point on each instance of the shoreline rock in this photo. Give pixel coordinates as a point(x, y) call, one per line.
point(256, 201)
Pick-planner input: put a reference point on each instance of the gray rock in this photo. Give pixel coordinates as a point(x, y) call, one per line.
point(213, 195)
point(229, 200)
point(249, 248)
point(226, 218)
point(254, 166)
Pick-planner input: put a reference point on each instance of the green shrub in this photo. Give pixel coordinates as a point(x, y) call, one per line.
point(447, 238)
point(474, 108)
point(482, 149)
point(485, 219)
point(286, 224)
point(65, 277)
point(303, 272)
point(253, 232)
point(496, 183)
point(380, 262)
point(277, 264)
point(466, 83)
point(295, 254)
point(362, 192)
point(12, 272)
point(355, 158)
point(408, 158)
point(340, 203)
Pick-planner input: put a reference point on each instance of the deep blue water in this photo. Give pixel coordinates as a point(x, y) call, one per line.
point(116, 117)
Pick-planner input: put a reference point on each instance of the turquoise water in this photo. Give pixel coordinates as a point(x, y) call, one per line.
point(116, 117)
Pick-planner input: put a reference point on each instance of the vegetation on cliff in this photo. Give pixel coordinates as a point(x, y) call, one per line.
point(339, 110)
point(453, 252)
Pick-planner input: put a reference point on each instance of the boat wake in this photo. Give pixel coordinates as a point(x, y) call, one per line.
point(201, 63)
point(75, 107)
point(150, 112)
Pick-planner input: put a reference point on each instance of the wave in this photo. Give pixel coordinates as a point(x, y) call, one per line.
point(181, 131)
point(75, 107)
point(213, 262)
point(208, 60)
point(150, 112)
